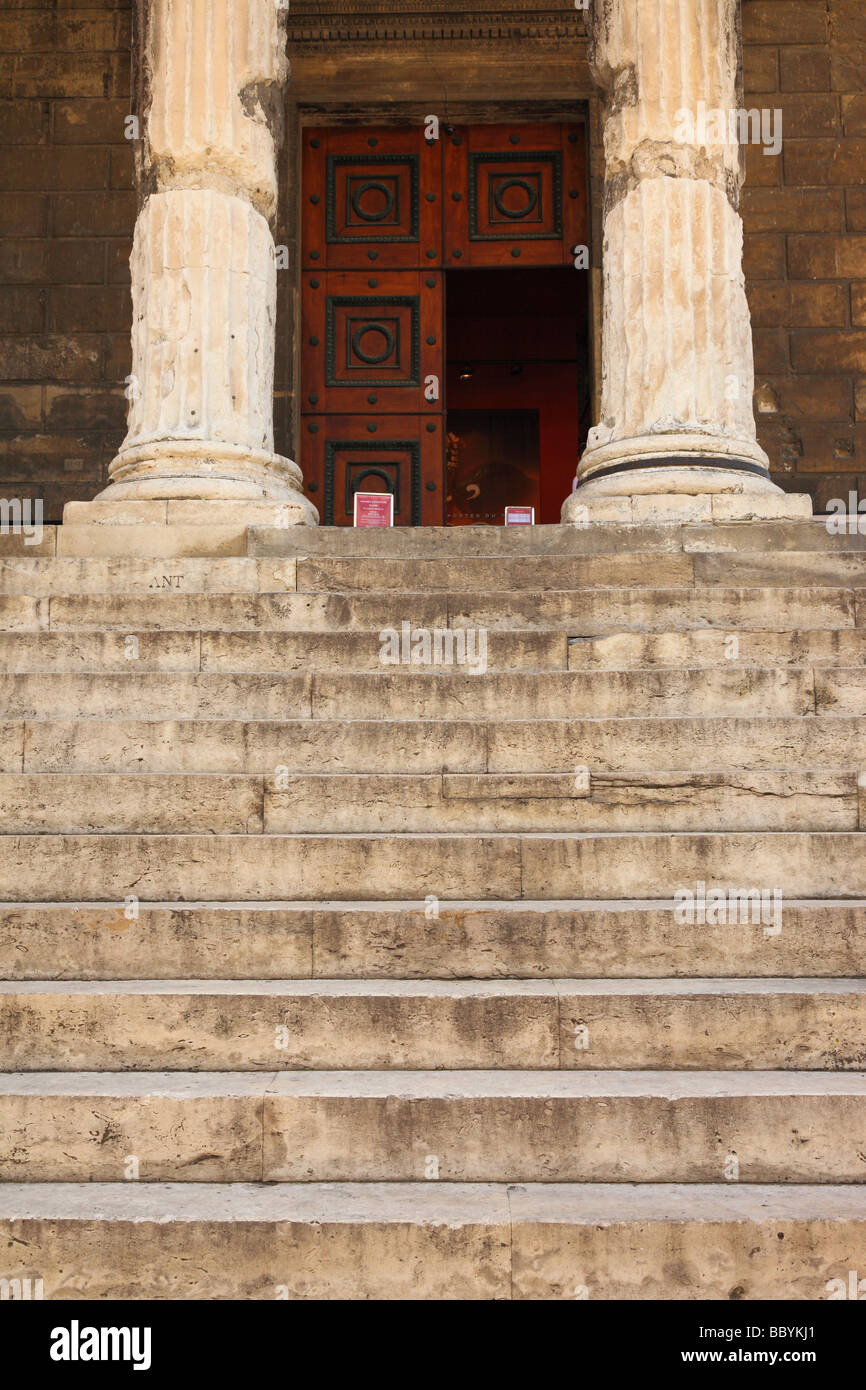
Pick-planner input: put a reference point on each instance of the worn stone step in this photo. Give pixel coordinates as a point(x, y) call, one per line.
point(81, 803)
point(713, 647)
point(841, 691)
point(423, 940)
point(436, 542)
point(237, 612)
point(598, 612)
point(452, 542)
point(770, 537)
point(544, 801)
point(162, 695)
point(407, 693)
point(268, 541)
point(262, 868)
point(151, 540)
point(276, 652)
point(483, 1126)
point(429, 1240)
point(61, 652)
point(521, 746)
point(471, 573)
point(355, 651)
point(259, 746)
point(774, 567)
point(701, 744)
point(21, 613)
point(46, 577)
point(84, 803)
point(583, 612)
point(794, 864)
point(251, 1025)
point(28, 545)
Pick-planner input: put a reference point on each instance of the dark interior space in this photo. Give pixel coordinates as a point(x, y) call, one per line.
point(517, 391)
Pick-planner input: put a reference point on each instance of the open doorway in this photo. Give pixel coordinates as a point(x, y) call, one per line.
point(517, 390)
point(444, 330)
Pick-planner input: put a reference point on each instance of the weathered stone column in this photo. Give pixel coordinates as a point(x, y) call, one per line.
point(209, 96)
point(676, 439)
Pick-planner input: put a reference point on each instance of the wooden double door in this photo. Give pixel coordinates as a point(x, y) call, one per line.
point(389, 217)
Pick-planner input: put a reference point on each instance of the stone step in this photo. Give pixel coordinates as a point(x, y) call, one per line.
point(87, 803)
point(840, 691)
point(44, 577)
point(471, 573)
point(775, 568)
point(278, 652)
point(252, 1025)
point(21, 613)
point(358, 803)
point(435, 542)
point(482, 1126)
point(598, 612)
point(152, 540)
point(424, 940)
point(585, 612)
point(407, 693)
point(230, 745)
point(428, 1240)
point(522, 746)
point(703, 744)
point(28, 545)
point(250, 612)
point(355, 651)
point(454, 542)
point(60, 652)
point(261, 868)
point(772, 538)
point(149, 803)
point(712, 647)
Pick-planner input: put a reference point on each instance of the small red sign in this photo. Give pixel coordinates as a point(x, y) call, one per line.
point(519, 516)
point(374, 509)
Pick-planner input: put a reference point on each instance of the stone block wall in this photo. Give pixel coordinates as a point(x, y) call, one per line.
point(67, 211)
point(805, 244)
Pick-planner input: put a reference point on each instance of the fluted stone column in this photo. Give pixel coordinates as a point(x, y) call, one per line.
point(210, 81)
point(676, 439)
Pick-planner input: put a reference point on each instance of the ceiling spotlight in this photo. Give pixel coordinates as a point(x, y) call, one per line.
point(465, 374)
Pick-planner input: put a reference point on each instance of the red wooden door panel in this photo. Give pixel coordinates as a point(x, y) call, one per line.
point(373, 354)
point(401, 454)
point(371, 197)
point(372, 342)
point(515, 195)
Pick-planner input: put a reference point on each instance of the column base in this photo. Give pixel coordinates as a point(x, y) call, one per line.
point(677, 509)
point(172, 528)
point(651, 487)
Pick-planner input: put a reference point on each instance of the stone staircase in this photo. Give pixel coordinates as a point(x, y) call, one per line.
point(330, 978)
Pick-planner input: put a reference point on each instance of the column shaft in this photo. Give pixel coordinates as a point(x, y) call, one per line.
point(210, 80)
point(677, 370)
